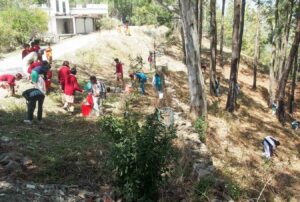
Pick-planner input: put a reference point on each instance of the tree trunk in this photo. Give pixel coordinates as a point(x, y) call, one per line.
point(257, 46)
point(198, 105)
point(273, 81)
point(231, 99)
point(222, 34)
point(200, 25)
point(213, 46)
point(285, 41)
point(292, 95)
point(183, 46)
point(286, 71)
point(241, 29)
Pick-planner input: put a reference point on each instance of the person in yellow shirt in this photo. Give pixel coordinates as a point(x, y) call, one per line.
point(49, 53)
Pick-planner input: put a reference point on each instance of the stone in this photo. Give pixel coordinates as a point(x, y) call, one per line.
point(30, 186)
point(5, 139)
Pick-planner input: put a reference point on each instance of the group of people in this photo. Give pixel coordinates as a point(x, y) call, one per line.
point(38, 72)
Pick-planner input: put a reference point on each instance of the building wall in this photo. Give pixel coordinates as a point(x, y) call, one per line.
point(65, 26)
point(84, 25)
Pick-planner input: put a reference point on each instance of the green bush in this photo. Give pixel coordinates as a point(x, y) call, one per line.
point(140, 155)
point(107, 23)
point(201, 126)
point(233, 190)
point(23, 23)
point(204, 186)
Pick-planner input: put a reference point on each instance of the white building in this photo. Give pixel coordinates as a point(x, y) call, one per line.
point(65, 20)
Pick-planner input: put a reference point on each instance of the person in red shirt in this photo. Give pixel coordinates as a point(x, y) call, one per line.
point(48, 81)
point(151, 60)
point(63, 74)
point(7, 81)
point(71, 86)
point(26, 50)
point(119, 70)
point(33, 65)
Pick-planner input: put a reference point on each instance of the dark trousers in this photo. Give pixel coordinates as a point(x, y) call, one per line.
point(31, 104)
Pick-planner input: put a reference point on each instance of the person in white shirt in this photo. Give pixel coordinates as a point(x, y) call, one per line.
point(270, 144)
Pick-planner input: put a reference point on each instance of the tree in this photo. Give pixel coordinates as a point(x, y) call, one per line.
point(198, 105)
point(222, 34)
point(284, 42)
point(241, 28)
point(213, 46)
point(231, 99)
point(292, 93)
point(272, 82)
point(200, 26)
point(257, 46)
point(286, 71)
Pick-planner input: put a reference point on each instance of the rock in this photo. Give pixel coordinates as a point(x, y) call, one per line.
point(5, 139)
point(61, 192)
point(30, 186)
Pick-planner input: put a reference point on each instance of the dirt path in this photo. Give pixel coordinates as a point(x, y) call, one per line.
point(11, 63)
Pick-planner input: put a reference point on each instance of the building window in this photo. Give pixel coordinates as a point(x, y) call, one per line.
point(57, 6)
point(64, 7)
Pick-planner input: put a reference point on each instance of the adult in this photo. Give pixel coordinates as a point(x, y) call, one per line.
point(142, 78)
point(270, 144)
point(32, 97)
point(7, 81)
point(63, 74)
point(71, 86)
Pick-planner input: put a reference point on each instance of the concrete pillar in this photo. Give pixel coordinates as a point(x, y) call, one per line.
point(74, 25)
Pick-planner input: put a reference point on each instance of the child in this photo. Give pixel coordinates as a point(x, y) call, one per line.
point(150, 60)
point(142, 79)
point(157, 84)
point(32, 96)
point(270, 144)
point(63, 74)
point(99, 94)
point(217, 83)
point(48, 81)
point(119, 70)
point(26, 50)
point(71, 85)
point(7, 81)
point(40, 70)
point(49, 53)
point(274, 108)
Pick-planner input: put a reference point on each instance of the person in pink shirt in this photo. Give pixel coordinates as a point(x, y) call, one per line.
point(7, 81)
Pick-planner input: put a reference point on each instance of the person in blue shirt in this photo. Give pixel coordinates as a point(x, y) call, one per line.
point(32, 97)
point(142, 79)
point(42, 69)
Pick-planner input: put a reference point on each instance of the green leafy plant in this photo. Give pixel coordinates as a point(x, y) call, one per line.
point(140, 155)
point(201, 127)
point(203, 187)
point(233, 190)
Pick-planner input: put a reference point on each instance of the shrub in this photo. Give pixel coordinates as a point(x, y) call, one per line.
point(201, 126)
point(140, 155)
point(233, 190)
point(107, 23)
point(204, 186)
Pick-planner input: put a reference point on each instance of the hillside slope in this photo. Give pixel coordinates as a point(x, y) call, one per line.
point(68, 150)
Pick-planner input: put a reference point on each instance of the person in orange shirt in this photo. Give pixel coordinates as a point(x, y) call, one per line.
point(49, 53)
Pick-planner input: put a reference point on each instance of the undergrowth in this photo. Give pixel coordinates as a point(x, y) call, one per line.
point(140, 155)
